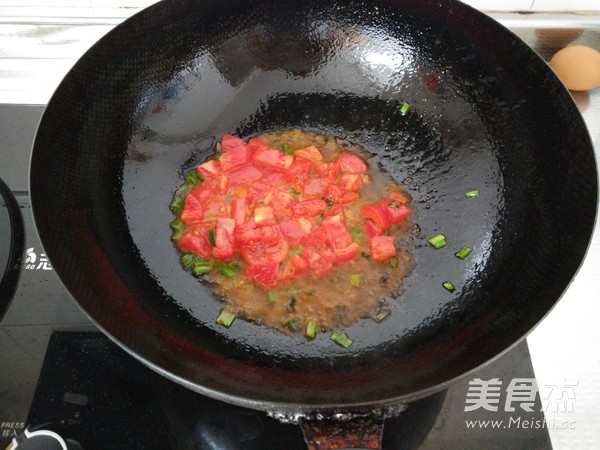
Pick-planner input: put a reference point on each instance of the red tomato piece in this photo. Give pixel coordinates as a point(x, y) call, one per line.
point(298, 173)
point(282, 204)
point(236, 153)
point(269, 246)
point(208, 168)
point(314, 188)
point(215, 207)
point(263, 215)
point(312, 153)
point(224, 238)
point(351, 163)
point(238, 210)
point(348, 197)
point(329, 171)
point(264, 274)
point(372, 230)
point(377, 214)
point(382, 248)
point(266, 156)
point(248, 235)
point(196, 241)
point(347, 253)
point(223, 184)
point(293, 268)
point(397, 212)
point(292, 231)
point(318, 265)
point(243, 175)
point(350, 182)
point(305, 224)
point(257, 193)
point(272, 178)
point(337, 234)
point(193, 209)
point(309, 208)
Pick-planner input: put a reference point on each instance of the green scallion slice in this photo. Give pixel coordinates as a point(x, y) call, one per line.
point(193, 177)
point(463, 252)
point(438, 241)
point(382, 315)
point(294, 192)
point(404, 109)
point(448, 286)
point(474, 193)
point(356, 232)
point(177, 204)
point(271, 297)
point(394, 262)
point(310, 292)
point(296, 251)
point(177, 225)
point(225, 318)
point(341, 339)
point(395, 204)
point(287, 149)
point(355, 280)
point(212, 236)
point(225, 271)
point(201, 267)
point(187, 260)
point(311, 329)
point(293, 324)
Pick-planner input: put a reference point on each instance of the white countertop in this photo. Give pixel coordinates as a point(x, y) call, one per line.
point(39, 44)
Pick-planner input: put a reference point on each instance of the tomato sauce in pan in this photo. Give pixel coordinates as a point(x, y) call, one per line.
point(294, 226)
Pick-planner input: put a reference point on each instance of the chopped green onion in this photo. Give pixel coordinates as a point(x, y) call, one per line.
point(177, 225)
point(356, 232)
point(235, 267)
point(296, 251)
point(177, 204)
point(212, 236)
point(382, 315)
point(287, 149)
point(395, 204)
point(201, 267)
point(292, 291)
point(225, 271)
point(404, 108)
point(394, 262)
point(271, 297)
point(311, 328)
point(294, 192)
point(448, 286)
point(463, 252)
point(187, 260)
point(193, 177)
point(293, 324)
point(471, 194)
point(438, 241)
point(341, 339)
point(225, 318)
point(329, 203)
point(355, 280)
point(310, 292)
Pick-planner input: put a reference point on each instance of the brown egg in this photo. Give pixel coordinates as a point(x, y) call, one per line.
point(578, 67)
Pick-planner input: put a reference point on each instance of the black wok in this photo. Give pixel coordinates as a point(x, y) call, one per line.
point(149, 101)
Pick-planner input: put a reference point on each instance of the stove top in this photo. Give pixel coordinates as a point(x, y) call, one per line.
point(58, 372)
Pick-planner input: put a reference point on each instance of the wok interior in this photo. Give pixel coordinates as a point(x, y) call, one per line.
point(137, 112)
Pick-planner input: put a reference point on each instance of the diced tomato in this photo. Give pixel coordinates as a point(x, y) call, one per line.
point(318, 265)
point(309, 208)
point(248, 235)
point(318, 242)
point(346, 253)
point(337, 234)
point(350, 182)
point(196, 241)
point(266, 156)
point(193, 210)
point(223, 184)
point(282, 204)
point(269, 246)
point(351, 164)
point(224, 239)
point(238, 210)
point(243, 175)
point(293, 268)
point(397, 212)
point(348, 197)
point(263, 215)
point(329, 171)
point(272, 178)
point(256, 193)
point(377, 214)
point(298, 173)
point(236, 153)
point(208, 168)
point(314, 188)
point(372, 230)
point(382, 248)
point(305, 224)
point(292, 231)
point(312, 153)
point(215, 207)
point(264, 274)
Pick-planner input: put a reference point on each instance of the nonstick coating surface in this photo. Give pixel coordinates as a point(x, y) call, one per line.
point(150, 100)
